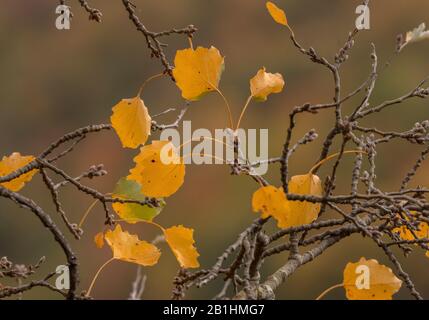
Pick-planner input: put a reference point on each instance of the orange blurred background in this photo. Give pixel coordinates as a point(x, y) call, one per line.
point(52, 82)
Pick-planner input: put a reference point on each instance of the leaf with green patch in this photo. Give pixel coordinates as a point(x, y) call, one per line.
point(133, 212)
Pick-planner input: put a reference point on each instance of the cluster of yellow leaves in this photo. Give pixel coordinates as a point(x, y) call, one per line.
point(272, 201)
point(129, 248)
point(12, 163)
point(382, 282)
point(198, 72)
point(159, 170)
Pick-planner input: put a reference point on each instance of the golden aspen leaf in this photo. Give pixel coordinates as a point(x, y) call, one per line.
point(277, 14)
point(181, 242)
point(12, 163)
point(133, 212)
point(271, 201)
point(198, 72)
point(406, 234)
point(99, 240)
point(132, 122)
point(304, 212)
point(127, 247)
point(159, 169)
point(264, 84)
point(369, 280)
point(427, 254)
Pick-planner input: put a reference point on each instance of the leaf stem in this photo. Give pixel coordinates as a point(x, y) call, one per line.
point(87, 213)
point(96, 276)
point(147, 81)
point(320, 163)
point(329, 290)
point(291, 31)
point(191, 45)
point(228, 108)
point(243, 111)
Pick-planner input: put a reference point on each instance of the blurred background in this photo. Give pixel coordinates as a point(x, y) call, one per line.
point(52, 82)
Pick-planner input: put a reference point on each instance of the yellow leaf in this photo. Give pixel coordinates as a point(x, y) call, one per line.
point(127, 247)
point(406, 234)
point(159, 170)
point(99, 240)
point(277, 14)
point(369, 280)
point(264, 84)
point(271, 201)
point(12, 163)
point(181, 241)
point(198, 72)
point(132, 122)
point(304, 212)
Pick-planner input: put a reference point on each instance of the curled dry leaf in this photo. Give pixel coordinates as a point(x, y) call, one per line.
point(276, 13)
point(127, 247)
point(133, 212)
point(369, 280)
point(159, 169)
point(271, 201)
point(132, 122)
point(181, 242)
point(264, 84)
point(304, 212)
point(418, 34)
point(198, 72)
point(12, 163)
